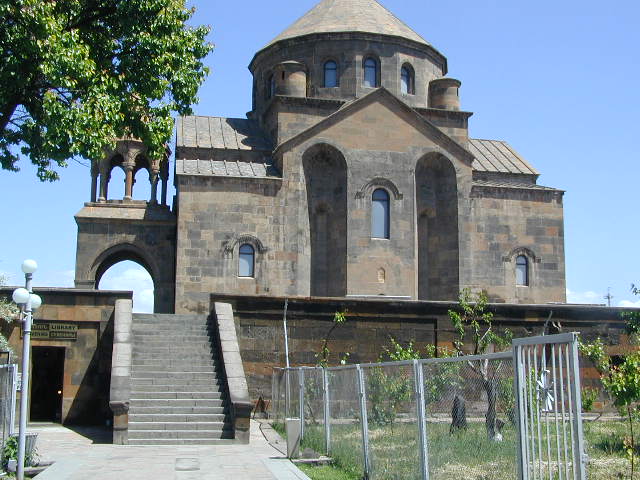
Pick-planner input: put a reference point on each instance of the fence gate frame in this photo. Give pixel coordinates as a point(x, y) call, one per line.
point(531, 362)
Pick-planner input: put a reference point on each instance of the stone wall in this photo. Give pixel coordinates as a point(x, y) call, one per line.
point(509, 221)
point(87, 360)
point(143, 233)
point(372, 322)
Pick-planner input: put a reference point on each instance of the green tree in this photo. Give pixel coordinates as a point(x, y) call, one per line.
point(621, 380)
point(8, 313)
point(473, 325)
point(76, 75)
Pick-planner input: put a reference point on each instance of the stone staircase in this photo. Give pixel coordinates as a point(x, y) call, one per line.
point(178, 393)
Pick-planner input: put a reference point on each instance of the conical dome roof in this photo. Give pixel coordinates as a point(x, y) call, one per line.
point(333, 16)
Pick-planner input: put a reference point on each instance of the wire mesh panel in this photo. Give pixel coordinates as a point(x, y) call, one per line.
point(8, 375)
point(278, 397)
point(345, 420)
point(470, 424)
point(392, 418)
point(549, 401)
point(314, 428)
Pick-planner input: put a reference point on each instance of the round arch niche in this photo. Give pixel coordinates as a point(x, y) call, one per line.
point(325, 174)
point(437, 220)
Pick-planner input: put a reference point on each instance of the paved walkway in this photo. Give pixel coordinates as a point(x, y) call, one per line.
point(79, 455)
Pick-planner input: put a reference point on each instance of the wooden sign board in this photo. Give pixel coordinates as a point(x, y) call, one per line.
point(54, 331)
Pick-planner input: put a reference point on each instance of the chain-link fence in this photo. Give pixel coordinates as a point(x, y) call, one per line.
point(392, 420)
point(8, 384)
point(419, 419)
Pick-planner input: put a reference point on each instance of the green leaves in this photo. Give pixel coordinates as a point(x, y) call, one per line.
point(471, 319)
point(78, 74)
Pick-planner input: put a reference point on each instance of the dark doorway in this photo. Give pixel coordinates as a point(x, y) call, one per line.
point(47, 373)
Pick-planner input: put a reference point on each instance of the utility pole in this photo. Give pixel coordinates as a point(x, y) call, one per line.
point(608, 297)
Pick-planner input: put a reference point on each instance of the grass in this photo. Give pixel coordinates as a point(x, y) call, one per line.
point(394, 452)
point(327, 472)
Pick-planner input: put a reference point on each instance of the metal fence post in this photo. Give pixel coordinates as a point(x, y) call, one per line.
point(579, 451)
point(301, 406)
point(327, 413)
point(418, 377)
point(365, 423)
point(519, 383)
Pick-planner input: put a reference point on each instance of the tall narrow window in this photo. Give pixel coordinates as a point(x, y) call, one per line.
point(246, 261)
point(271, 86)
point(330, 74)
point(522, 271)
point(380, 214)
point(370, 78)
point(407, 80)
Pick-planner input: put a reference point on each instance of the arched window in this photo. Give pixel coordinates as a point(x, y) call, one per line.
point(330, 74)
point(246, 260)
point(380, 214)
point(522, 271)
point(407, 80)
point(370, 78)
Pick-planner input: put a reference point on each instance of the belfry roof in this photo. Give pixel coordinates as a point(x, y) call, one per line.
point(338, 16)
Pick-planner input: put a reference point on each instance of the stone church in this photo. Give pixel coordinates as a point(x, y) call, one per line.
point(354, 175)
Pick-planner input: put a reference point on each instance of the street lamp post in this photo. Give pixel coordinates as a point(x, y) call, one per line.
point(28, 303)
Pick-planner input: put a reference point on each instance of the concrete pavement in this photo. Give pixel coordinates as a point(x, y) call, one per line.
point(79, 455)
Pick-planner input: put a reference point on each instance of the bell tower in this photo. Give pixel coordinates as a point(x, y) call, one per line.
point(111, 230)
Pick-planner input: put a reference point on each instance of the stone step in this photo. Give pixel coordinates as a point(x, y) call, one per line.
point(182, 385)
point(168, 316)
point(176, 417)
point(165, 357)
point(181, 441)
point(141, 426)
point(212, 388)
point(134, 410)
point(170, 322)
point(175, 375)
point(179, 402)
point(153, 339)
point(177, 434)
point(173, 351)
point(165, 395)
point(136, 367)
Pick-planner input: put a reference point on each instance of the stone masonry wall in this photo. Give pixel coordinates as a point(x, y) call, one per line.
point(371, 323)
point(87, 360)
point(510, 221)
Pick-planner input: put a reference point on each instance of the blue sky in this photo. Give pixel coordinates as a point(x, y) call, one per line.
point(557, 80)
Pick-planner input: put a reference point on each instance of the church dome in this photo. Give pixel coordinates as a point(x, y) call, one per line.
point(342, 16)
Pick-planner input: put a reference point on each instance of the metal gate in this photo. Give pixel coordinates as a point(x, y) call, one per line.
point(547, 382)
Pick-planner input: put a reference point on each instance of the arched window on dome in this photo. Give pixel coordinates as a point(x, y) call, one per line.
point(522, 271)
point(380, 217)
point(246, 260)
point(330, 74)
point(407, 80)
point(370, 74)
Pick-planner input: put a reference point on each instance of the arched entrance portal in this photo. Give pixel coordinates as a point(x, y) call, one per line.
point(129, 275)
point(128, 259)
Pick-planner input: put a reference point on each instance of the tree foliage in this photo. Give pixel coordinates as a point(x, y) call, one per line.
point(621, 380)
point(475, 332)
point(76, 75)
point(8, 313)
